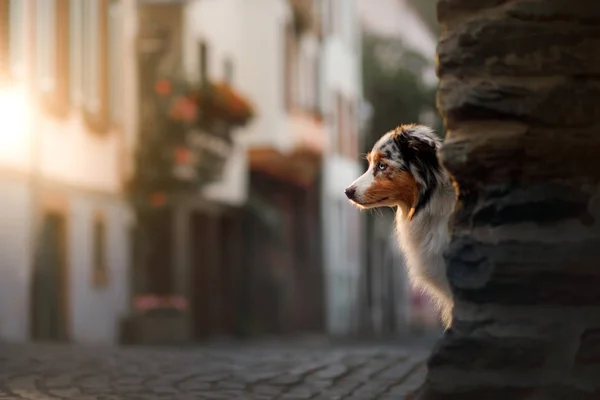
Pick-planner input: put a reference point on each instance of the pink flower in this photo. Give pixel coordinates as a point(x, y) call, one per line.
point(163, 87)
point(184, 109)
point(183, 155)
point(145, 303)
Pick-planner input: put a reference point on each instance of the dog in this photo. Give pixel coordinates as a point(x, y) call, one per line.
point(405, 172)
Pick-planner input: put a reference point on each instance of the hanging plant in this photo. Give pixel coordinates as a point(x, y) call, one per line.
point(186, 138)
point(218, 101)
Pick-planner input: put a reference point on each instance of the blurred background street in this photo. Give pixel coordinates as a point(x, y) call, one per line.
point(172, 173)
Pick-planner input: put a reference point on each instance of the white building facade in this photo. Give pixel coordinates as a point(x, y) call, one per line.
point(307, 92)
point(341, 98)
point(64, 146)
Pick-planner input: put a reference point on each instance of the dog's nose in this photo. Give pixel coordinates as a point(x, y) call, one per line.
point(350, 192)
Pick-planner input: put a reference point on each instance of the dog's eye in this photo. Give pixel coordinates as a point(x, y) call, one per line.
point(381, 166)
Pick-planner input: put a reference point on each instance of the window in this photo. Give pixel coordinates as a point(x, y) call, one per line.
point(352, 126)
point(288, 65)
point(332, 20)
point(91, 54)
point(228, 71)
point(4, 32)
point(16, 35)
point(340, 126)
point(76, 45)
point(100, 271)
point(346, 127)
point(90, 22)
point(51, 50)
point(115, 54)
point(317, 85)
point(46, 39)
point(203, 62)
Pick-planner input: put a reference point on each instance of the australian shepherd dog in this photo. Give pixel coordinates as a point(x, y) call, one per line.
point(404, 172)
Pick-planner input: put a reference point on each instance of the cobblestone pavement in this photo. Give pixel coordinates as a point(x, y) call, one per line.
point(234, 372)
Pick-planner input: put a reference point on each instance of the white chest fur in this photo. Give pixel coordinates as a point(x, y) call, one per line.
point(423, 240)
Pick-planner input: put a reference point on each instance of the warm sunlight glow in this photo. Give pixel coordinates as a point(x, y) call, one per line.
point(14, 119)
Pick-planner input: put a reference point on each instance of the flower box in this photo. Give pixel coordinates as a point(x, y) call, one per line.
point(157, 320)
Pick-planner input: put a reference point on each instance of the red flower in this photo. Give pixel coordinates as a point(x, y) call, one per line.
point(163, 87)
point(184, 109)
point(158, 199)
point(183, 156)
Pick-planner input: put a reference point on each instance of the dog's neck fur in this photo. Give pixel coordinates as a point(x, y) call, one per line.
point(424, 239)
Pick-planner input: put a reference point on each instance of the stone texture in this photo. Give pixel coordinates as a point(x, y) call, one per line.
point(538, 101)
point(240, 372)
point(519, 86)
point(513, 47)
point(489, 353)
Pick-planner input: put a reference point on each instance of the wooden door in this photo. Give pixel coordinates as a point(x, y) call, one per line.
point(49, 299)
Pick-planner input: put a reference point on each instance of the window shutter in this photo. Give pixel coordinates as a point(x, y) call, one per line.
point(94, 64)
point(76, 38)
point(4, 41)
point(90, 52)
point(115, 55)
point(62, 64)
point(15, 20)
point(51, 53)
point(45, 45)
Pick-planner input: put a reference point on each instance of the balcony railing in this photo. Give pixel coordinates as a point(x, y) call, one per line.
point(308, 132)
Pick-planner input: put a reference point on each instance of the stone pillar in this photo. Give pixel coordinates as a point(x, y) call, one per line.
point(520, 90)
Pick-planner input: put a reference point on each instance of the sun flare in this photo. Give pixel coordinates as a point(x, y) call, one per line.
point(15, 116)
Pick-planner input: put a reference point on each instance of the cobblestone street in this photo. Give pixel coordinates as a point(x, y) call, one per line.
point(226, 372)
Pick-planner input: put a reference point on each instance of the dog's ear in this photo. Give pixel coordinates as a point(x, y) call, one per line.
point(413, 146)
point(402, 140)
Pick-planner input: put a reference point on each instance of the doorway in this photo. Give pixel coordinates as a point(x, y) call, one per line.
point(216, 267)
point(49, 296)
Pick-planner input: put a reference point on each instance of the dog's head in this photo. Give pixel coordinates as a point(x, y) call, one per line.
point(403, 171)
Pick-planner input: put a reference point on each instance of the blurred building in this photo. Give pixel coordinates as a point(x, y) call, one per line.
point(66, 108)
point(407, 21)
point(272, 247)
point(341, 98)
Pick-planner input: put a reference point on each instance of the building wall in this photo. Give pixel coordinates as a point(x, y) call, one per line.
point(341, 222)
point(65, 153)
point(15, 257)
point(95, 311)
point(238, 31)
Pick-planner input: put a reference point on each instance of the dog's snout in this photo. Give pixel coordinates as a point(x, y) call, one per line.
point(350, 192)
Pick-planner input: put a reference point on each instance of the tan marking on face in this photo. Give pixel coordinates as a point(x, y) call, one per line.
point(375, 157)
point(392, 188)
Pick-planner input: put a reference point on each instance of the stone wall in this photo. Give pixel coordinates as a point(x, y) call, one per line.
point(520, 86)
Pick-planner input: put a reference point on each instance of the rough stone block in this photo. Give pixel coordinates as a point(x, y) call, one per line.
point(585, 12)
point(513, 47)
point(450, 9)
point(536, 102)
point(521, 161)
point(589, 349)
point(544, 288)
point(472, 264)
point(469, 353)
